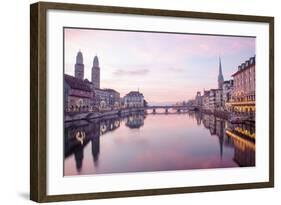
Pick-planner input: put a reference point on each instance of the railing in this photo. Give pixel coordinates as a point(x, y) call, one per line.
point(78, 109)
point(85, 109)
point(169, 106)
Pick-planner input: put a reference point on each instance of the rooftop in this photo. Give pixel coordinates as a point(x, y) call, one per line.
point(110, 90)
point(76, 83)
point(247, 64)
point(134, 94)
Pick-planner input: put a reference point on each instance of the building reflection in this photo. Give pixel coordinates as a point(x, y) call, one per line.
point(135, 121)
point(75, 136)
point(198, 116)
point(90, 132)
point(109, 125)
point(79, 155)
point(243, 136)
point(216, 127)
point(95, 142)
point(239, 136)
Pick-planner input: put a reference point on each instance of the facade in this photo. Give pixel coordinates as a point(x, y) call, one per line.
point(205, 100)
point(113, 97)
point(96, 73)
point(107, 98)
point(227, 90)
point(220, 76)
point(243, 97)
point(212, 100)
point(77, 93)
point(215, 99)
point(79, 66)
point(133, 99)
point(101, 98)
point(198, 99)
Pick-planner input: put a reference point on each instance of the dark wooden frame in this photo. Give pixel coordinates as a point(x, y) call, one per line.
point(38, 101)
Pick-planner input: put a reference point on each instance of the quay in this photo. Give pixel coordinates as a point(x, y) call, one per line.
point(87, 115)
point(122, 112)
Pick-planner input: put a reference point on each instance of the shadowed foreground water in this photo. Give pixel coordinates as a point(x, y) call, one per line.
point(158, 142)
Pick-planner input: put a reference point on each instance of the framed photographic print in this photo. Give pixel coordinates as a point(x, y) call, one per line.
point(134, 102)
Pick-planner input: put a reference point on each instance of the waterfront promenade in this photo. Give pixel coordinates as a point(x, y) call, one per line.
point(95, 114)
point(168, 109)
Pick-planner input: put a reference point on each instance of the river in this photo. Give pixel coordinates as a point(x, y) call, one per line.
point(156, 142)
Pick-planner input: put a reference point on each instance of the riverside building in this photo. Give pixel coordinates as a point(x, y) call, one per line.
point(243, 95)
point(133, 99)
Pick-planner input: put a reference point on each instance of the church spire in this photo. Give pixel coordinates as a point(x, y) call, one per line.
point(79, 66)
point(220, 72)
point(96, 73)
point(220, 76)
point(96, 61)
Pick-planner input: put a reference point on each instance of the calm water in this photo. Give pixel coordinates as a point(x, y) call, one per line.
point(158, 142)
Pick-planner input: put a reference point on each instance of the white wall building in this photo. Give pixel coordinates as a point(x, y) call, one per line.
point(198, 99)
point(205, 100)
point(215, 99)
point(227, 90)
point(133, 99)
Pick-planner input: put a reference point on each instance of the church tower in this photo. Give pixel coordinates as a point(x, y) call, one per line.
point(96, 73)
point(220, 76)
point(79, 66)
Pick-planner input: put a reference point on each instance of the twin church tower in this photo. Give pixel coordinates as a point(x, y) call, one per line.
point(79, 70)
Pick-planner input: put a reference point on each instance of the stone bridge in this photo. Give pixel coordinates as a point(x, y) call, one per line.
point(178, 108)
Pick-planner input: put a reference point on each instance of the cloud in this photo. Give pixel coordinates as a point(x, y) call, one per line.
point(123, 72)
point(173, 69)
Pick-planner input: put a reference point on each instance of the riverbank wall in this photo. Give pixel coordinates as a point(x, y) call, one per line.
point(217, 113)
point(68, 117)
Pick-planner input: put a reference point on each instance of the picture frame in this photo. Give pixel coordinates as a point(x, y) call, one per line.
point(39, 104)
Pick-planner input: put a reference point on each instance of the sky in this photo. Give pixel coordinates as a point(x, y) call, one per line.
point(165, 67)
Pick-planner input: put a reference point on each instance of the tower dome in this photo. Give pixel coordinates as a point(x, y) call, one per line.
point(96, 62)
point(79, 66)
point(96, 73)
point(79, 58)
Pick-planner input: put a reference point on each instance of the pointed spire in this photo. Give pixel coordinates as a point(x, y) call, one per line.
point(220, 76)
point(220, 71)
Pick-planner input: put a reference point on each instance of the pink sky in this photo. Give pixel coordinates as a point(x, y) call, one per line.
point(165, 67)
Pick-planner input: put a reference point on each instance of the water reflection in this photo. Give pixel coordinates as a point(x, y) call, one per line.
point(95, 149)
point(135, 121)
point(79, 133)
point(243, 136)
point(79, 155)
point(216, 126)
point(164, 142)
